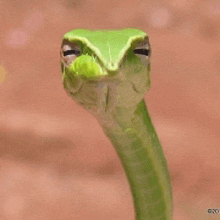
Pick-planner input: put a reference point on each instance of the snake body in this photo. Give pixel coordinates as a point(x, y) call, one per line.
point(115, 97)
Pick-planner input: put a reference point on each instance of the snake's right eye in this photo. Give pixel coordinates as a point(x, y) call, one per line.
point(69, 52)
point(75, 52)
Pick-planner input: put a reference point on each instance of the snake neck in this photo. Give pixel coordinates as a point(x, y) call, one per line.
point(120, 109)
point(142, 157)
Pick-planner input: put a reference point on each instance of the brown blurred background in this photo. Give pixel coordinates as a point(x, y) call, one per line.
point(55, 161)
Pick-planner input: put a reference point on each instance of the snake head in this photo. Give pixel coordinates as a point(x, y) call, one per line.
point(95, 62)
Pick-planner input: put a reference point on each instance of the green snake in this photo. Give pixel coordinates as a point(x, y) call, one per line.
point(108, 73)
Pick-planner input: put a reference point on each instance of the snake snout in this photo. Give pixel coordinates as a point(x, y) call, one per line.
point(87, 67)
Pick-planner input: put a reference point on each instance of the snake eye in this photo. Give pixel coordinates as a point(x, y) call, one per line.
point(145, 52)
point(69, 52)
point(142, 49)
point(75, 52)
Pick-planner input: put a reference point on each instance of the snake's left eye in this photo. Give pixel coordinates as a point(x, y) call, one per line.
point(145, 52)
point(142, 49)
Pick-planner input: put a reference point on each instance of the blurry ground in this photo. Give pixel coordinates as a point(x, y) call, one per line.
point(55, 162)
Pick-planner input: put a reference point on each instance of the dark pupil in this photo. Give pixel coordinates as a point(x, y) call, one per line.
point(70, 52)
point(141, 51)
